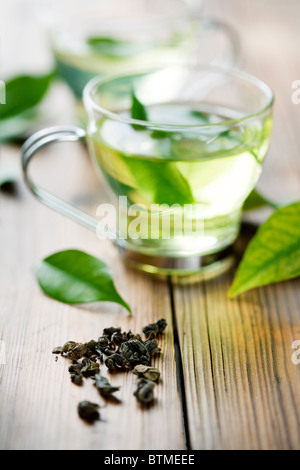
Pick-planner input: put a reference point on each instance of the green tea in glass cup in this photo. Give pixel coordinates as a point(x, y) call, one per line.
point(179, 150)
point(103, 38)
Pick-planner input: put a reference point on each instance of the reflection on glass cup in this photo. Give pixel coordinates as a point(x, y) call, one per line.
point(178, 176)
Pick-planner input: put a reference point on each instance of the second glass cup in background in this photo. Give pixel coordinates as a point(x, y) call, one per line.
point(95, 37)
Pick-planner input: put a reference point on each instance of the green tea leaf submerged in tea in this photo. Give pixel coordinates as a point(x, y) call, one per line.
point(74, 277)
point(273, 255)
point(114, 48)
point(138, 110)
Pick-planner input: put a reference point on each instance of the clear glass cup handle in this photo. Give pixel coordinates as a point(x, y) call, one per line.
point(30, 148)
point(232, 36)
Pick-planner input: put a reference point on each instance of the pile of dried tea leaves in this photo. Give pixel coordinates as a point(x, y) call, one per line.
point(118, 351)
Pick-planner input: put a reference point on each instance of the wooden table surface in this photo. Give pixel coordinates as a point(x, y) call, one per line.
point(228, 381)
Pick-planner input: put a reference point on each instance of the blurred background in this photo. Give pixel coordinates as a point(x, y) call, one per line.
point(268, 32)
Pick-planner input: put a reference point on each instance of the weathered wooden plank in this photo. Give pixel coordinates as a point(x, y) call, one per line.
point(38, 401)
point(245, 394)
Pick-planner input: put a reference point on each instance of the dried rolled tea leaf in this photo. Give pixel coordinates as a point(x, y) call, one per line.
point(110, 331)
point(88, 411)
point(116, 361)
point(89, 368)
point(137, 337)
point(57, 350)
point(147, 372)
point(75, 368)
point(77, 378)
point(91, 347)
point(127, 335)
point(135, 352)
point(110, 363)
point(103, 342)
point(68, 346)
point(99, 353)
point(108, 352)
point(74, 351)
point(162, 324)
point(117, 338)
point(104, 387)
point(153, 329)
point(152, 347)
point(144, 391)
point(77, 352)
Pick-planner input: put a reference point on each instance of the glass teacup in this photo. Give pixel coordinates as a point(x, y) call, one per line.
point(179, 150)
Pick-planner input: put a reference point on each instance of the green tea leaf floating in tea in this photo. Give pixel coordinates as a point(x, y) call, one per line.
point(138, 110)
point(256, 201)
point(75, 277)
point(116, 48)
point(273, 255)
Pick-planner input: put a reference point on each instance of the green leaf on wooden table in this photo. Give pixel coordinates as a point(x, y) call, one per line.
point(273, 255)
point(23, 93)
point(256, 201)
point(75, 277)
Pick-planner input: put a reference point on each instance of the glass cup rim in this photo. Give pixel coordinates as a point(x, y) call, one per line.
point(100, 80)
point(172, 15)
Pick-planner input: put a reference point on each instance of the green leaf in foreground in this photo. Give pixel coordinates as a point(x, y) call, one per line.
point(273, 255)
point(256, 201)
point(74, 277)
point(23, 93)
